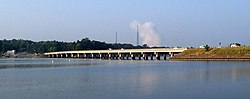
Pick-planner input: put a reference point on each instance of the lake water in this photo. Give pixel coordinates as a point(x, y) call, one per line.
point(43, 78)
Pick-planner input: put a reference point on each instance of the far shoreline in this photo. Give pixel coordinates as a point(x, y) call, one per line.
point(210, 59)
point(214, 54)
point(35, 55)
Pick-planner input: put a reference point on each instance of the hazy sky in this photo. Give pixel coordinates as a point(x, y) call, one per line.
point(176, 22)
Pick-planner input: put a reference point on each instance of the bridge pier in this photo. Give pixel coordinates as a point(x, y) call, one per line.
point(50, 56)
point(145, 56)
point(158, 57)
point(152, 57)
point(165, 56)
point(171, 54)
point(139, 57)
point(121, 56)
point(99, 56)
point(132, 56)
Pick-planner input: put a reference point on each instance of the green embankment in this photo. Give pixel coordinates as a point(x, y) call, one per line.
point(225, 53)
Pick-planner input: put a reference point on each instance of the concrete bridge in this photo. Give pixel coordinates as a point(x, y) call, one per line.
point(121, 54)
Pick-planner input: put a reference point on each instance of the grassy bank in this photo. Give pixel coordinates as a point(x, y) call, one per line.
point(225, 53)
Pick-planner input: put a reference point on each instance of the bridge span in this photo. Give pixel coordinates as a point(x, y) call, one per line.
point(121, 54)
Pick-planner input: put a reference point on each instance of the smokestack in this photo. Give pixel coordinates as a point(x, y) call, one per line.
point(146, 33)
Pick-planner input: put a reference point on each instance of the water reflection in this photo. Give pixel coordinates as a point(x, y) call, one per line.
point(206, 72)
point(104, 79)
point(43, 63)
point(146, 81)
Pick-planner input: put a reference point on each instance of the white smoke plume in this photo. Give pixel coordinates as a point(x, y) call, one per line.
point(146, 33)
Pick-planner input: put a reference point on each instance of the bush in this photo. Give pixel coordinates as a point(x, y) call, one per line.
point(207, 47)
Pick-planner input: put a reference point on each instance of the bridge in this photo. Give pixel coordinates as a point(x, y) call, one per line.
point(121, 54)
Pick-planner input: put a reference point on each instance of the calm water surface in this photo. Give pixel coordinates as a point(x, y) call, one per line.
point(113, 79)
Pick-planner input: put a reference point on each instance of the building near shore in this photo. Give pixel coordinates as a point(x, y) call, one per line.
point(235, 45)
point(202, 46)
point(10, 52)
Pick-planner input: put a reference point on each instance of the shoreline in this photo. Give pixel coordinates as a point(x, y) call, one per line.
point(214, 54)
point(24, 56)
point(210, 59)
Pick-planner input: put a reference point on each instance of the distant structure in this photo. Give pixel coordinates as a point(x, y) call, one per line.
point(10, 52)
point(137, 36)
point(235, 45)
point(219, 45)
point(115, 37)
point(202, 46)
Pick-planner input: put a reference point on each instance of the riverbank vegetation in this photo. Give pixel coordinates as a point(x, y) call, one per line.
point(29, 46)
point(225, 53)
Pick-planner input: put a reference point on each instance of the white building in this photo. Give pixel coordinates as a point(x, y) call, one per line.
point(235, 45)
point(202, 46)
point(10, 52)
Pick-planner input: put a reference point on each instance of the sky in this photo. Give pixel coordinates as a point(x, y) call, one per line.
point(183, 23)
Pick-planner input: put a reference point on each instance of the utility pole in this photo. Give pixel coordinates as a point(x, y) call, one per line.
point(3, 46)
point(137, 36)
point(115, 37)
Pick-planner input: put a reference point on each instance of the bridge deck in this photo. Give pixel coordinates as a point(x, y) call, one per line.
point(118, 54)
point(160, 50)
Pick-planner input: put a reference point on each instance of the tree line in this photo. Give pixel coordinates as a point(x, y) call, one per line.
point(29, 46)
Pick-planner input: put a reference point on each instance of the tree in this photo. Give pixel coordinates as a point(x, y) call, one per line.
point(145, 46)
point(207, 47)
point(50, 46)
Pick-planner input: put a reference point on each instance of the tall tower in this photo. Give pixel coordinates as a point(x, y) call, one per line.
point(115, 37)
point(137, 36)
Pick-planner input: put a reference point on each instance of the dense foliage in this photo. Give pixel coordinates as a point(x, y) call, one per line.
point(50, 46)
